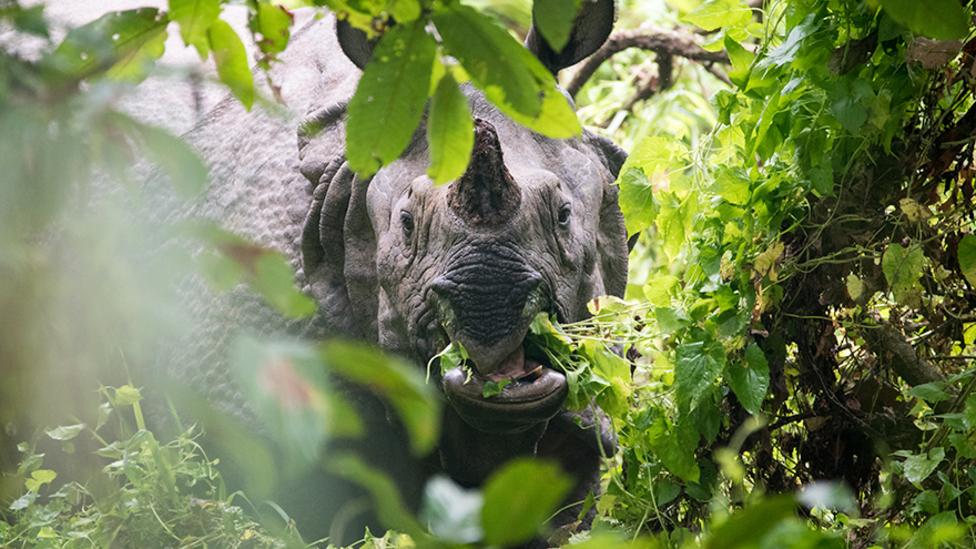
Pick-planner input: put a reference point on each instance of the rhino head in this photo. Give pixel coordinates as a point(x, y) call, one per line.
point(532, 226)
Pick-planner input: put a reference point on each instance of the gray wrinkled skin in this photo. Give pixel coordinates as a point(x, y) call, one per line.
point(391, 261)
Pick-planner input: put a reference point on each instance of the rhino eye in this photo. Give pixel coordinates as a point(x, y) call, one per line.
point(564, 212)
point(406, 221)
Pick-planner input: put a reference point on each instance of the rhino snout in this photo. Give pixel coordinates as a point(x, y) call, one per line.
point(488, 309)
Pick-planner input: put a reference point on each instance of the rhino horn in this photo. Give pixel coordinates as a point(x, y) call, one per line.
point(486, 195)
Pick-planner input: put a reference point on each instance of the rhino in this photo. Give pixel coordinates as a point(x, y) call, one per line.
point(532, 226)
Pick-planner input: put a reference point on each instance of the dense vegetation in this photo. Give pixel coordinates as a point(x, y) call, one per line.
point(794, 362)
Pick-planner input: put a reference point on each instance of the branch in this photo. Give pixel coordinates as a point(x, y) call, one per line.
point(663, 43)
point(887, 342)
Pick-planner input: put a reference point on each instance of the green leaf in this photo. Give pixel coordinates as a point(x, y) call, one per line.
point(697, 370)
point(749, 379)
point(39, 478)
point(127, 395)
point(451, 512)
point(674, 446)
point(930, 392)
point(902, 268)
point(918, 467)
point(494, 388)
point(272, 25)
point(732, 186)
point(390, 98)
point(390, 508)
point(496, 62)
point(939, 19)
point(741, 59)
point(747, 525)
point(231, 59)
point(636, 199)
point(450, 132)
point(187, 173)
point(123, 45)
point(195, 18)
point(65, 432)
point(400, 383)
point(556, 118)
point(967, 257)
point(554, 19)
point(274, 279)
point(519, 497)
point(285, 384)
point(715, 14)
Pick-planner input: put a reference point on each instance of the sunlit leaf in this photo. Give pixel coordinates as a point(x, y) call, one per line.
point(940, 19)
point(902, 269)
point(195, 18)
point(231, 59)
point(450, 132)
point(390, 98)
point(554, 19)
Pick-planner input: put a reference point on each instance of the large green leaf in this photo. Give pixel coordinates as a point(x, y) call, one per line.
point(195, 18)
point(123, 44)
point(967, 257)
point(749, 379)
point(390, 508)
point(231, 59)
point(745, 526)
point(697, 370)
point(450, 132)
point(187, 173)
point(519, 498)
point(496, 62)
point(714, 14)
point(554, 19)
point(940, 19)
point(918, 467)
point(400, 383)
point(902, 268)
point(390, 98)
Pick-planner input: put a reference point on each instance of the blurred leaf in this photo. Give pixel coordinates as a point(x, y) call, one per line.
point(274, 278)
point(519, 497)
point(745, 526)
point(231, 60)
point(902, 269)
point(834, 496)
point(749, 379)
point(126, 395)
point(554, 19)
point(714, 14)
point(450, 132)
point(400, 383)
point(918, 467)
point(272, 27)
point(286, 387)
point(195, 18)
point(967, 257)
point(124, 44)
point(451, 512)
point(390, 98)
point(390, 509)
point(187, 173)
point(65, 432)
point(940, 19)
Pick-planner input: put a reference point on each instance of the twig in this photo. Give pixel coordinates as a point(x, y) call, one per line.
point(668, 43)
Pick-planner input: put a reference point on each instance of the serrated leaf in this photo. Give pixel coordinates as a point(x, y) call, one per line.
point(195, 18)
point(450, 132)
point(966, 254)
point(231, 59)
point(519, 497)
point(939, 19)
point(554, 19)
point(749, 379)
point(390, 98)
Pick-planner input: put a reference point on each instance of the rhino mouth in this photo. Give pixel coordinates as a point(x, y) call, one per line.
point(531, 393)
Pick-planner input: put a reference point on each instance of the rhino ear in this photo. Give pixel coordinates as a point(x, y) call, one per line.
point(612, 236)
point(592, 26)
point(339, 249)
point(354, 43)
